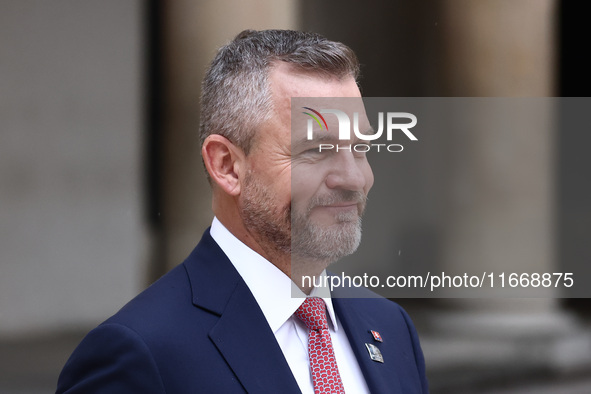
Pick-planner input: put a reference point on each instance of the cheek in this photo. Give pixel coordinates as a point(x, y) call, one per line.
point(298, 180)
point(305, 189)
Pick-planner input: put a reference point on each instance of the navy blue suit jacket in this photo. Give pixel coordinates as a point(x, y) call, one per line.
point(199, 330)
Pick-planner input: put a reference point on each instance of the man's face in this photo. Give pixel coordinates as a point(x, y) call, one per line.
point(322, 193)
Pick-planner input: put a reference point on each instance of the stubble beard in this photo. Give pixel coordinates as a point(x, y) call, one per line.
point(293, 233)
point(311, 241)
point(267, 222)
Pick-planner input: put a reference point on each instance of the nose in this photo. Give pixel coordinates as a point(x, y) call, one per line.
point(349, 172)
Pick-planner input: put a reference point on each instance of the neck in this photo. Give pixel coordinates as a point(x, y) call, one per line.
point(229, 215)
point(304, 271)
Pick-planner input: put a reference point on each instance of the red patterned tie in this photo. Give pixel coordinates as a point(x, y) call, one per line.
point(323, 365)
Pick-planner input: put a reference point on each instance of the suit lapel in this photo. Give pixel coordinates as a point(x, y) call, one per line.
point(242, 334)
point(380, 377)
point(247, 343)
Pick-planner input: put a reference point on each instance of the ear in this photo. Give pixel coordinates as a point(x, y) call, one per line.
point(224, 161)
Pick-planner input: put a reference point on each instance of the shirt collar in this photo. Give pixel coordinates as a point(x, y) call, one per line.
point(277, 296)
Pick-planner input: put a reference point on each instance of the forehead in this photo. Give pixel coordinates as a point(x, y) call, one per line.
point(286, 82)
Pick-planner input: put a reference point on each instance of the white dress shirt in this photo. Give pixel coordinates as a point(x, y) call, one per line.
point(272, 290)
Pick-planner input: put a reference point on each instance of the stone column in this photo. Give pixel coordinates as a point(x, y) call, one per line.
point(193, 31)
point(501, 195)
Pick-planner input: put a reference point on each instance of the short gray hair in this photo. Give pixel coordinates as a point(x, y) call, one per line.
point(235, 96)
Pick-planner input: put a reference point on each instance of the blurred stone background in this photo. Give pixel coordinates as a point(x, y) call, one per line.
point(102, 189)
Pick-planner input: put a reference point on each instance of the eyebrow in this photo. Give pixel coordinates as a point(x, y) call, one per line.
point(327, 139)
point(319, 138)
point(316, 140)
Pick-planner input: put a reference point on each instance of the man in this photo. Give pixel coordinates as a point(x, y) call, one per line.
point(224, 320)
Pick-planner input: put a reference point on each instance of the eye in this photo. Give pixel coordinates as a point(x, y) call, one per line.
point(316, 151)
point(307, 155)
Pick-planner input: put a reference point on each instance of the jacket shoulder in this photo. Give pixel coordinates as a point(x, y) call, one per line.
point(111, 359)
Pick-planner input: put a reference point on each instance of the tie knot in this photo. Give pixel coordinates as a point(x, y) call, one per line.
point(313, 313)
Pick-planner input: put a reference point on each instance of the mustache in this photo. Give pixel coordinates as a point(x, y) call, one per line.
point(339, 196)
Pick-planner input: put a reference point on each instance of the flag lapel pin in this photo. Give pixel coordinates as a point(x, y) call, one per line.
point(376, 336)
